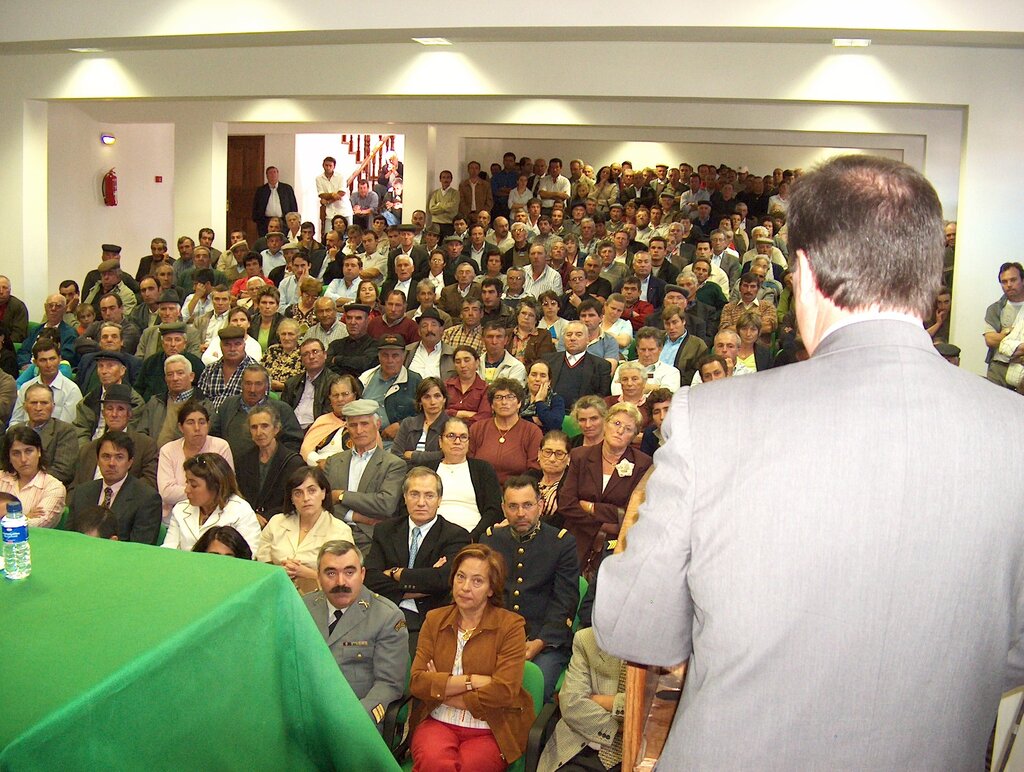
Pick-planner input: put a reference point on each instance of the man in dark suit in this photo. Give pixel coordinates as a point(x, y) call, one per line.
point(409, 558)
point(366, 480)
point(366, 633)
point(135, 504)
point(407, 246)
point(652, 289)
point(309, 392)
point(575, 371)
point(275, 199)
point(890, 579)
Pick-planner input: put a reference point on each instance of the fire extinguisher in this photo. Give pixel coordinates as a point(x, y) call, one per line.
point(109, 188)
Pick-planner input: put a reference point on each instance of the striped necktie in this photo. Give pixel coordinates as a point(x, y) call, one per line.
point(415, 546)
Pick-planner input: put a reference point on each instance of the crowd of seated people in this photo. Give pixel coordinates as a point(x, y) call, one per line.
point(437, 423)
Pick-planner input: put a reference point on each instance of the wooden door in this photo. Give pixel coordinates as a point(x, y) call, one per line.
point(245, 175)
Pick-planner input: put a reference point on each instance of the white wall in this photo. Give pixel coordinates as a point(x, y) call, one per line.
point(79, 222)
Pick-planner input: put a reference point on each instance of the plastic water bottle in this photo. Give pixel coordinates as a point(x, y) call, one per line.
point(17, 555)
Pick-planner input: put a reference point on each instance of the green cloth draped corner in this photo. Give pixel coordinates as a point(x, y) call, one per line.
point(124, 656)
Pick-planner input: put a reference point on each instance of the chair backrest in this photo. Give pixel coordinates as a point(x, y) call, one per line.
point(533, 682)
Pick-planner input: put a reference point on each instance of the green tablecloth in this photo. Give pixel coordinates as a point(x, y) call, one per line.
point(125, 656)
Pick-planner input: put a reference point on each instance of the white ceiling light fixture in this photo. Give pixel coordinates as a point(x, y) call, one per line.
point(86, 50)
point(433, 41)
point(851, 42)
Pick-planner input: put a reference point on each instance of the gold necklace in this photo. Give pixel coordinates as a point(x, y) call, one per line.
point(501, 434)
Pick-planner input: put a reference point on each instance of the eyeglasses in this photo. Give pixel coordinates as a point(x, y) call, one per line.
point(621, 425)
point(549, 453)
point(452, 437)
point(505, 397)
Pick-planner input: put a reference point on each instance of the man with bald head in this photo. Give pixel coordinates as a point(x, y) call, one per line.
point(327, 329)
point(53, 312)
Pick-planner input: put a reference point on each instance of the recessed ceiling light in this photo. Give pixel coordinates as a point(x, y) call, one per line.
point(851, 42)
point(86, 50)
point(433, 41)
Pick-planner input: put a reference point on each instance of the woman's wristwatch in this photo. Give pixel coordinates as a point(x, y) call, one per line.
point(469, 683)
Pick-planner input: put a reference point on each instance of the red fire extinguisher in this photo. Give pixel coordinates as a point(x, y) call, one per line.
point(109, 188)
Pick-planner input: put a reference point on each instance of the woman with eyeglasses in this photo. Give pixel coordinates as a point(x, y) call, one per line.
point(528, 343)
point(211, 499)
point(419, 436)
point(598, 484)
point(194, 423)
point(554, 460)
point(509, 443)
point(326, 435)
point(471, 494)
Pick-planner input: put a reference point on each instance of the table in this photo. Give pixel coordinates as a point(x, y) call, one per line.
point(126, 656)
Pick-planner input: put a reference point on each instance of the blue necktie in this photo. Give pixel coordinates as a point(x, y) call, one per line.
point(415, 546)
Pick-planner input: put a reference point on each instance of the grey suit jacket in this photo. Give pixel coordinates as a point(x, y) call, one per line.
point(143, 464)
point(60, 449)
point(591, 671)
point(370, 643)
point(869, 617)
point(380, 487)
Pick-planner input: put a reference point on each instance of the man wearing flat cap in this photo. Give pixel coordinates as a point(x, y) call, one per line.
point(111, 280)
point(356, 353)
point(111, 370)
point(366, 480)
point(173, 340)
point(108, 252)
point(233, 267)
point(116, 408)
point(408, 247)
point(223, 378)
point(168, 311)
point(391, 385)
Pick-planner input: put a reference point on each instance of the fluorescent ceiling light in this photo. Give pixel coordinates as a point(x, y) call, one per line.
point(433, 41)
point(851, 42)
point(86, 50)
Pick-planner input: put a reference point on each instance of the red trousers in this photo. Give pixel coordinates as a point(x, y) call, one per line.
point(440, 747)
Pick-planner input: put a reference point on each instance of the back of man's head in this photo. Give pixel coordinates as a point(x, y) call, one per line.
point(872, 231)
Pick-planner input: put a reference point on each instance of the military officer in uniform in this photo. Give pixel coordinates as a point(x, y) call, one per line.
point(543, 577)
point(365, 632)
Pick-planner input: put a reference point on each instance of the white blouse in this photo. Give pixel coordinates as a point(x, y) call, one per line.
point(279, 541)
point(184, 529)
point(458, 502)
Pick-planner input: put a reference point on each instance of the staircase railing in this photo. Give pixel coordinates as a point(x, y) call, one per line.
point(370, 161)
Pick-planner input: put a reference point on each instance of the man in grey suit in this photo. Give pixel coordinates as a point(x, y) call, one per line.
point(873, 618)
point(60, 440)
point(366, 481)
point(231, 421)
point(366, 633)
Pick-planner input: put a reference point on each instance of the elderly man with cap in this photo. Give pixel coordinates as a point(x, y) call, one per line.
point(230, 421)
point(168, 311)
point(53, 310)
point(232, 263)
point(357, 352)
point(110, 336)
point(430, 357)
point(159, 418)
point(366, 480)
point(108, 252)
point(272, 256)
point(223, 378)
point(365, 632)
point(309, 392)
point(111, 280)
point(173, 340)
point(391, 385)
point(118, 416)
point(111, 370)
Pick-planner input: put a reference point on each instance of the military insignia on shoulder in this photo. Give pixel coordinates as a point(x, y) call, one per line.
point(399, 625)
point(490, 531)
point(568, 623)
point(364, 603)
point(378, 713)
point(562, 533)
